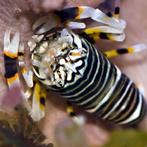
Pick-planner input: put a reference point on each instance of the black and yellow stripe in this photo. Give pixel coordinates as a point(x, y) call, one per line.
point(93, 37)
point(11, 66)
point(69, 13)
point(39, 96)
point(11, 69)
point(98, 34)
point(119, 51)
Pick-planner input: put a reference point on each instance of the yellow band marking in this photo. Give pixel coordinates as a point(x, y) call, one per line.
point(130, 50)
point(11, 55)
point(11, 80)
point(112, 53)
point(80, 11)
point(70, 109)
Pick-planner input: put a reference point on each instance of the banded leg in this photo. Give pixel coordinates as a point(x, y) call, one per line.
point(13, 56)
point(107, 32)
point(10, 59)
point(38, 103)
point(103, 32)
point(129, 50)
point(83, 12)
point(80, 120)
point(38, 93)
point(113, 31)
point(66, 16)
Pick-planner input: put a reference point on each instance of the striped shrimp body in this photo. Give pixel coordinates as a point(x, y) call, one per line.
point(84, 76)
